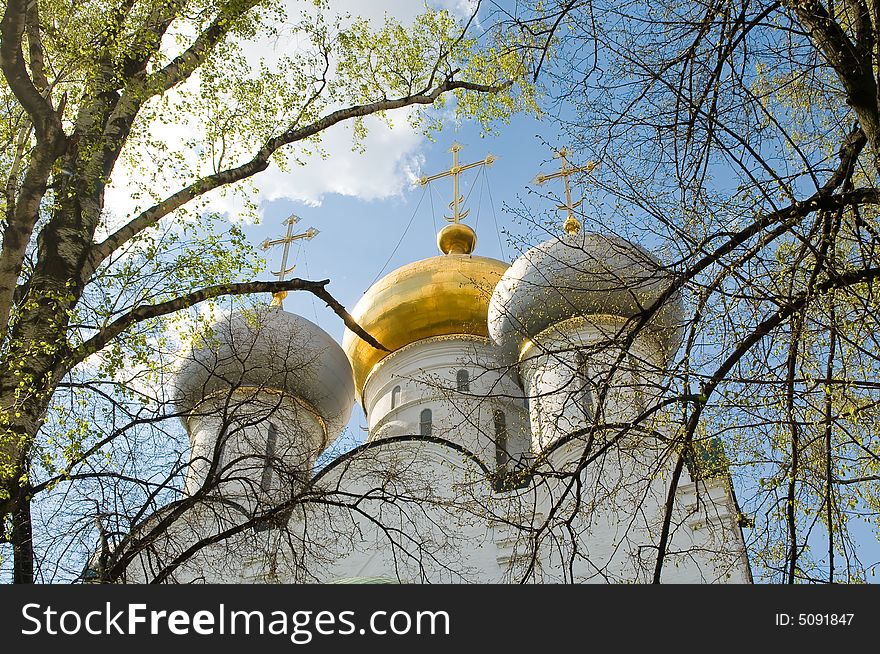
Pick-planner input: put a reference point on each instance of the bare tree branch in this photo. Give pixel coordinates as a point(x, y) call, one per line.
point(261, 161)
point(139, 314)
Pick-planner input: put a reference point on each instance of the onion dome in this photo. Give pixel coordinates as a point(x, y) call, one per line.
point(439, 296)
point(582, 274)
point(269, 348)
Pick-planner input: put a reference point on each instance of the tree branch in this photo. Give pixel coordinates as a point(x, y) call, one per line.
point(851, 63)
point(20, 225)
point(35, 50)
point(194, 56)
point(261, 161)
point(111, 331)
point(141, 87)
point(12, 63)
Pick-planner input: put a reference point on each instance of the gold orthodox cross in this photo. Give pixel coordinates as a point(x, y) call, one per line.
point(286, 240)
point(457, 214)
point(572, 225)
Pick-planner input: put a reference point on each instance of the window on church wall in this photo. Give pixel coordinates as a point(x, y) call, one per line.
point(502, 456)
point(638, 391)
point(463, 381)
point(425, 419)
point(219, 457)
point(226, 454)
point(584, 397)
point(220, 450)
point(395, 397)
point(271, 440)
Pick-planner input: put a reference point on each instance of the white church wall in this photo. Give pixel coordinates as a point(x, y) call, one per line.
point(607, 526)
point(427, 376)
point(417, 511)
point(421, 516)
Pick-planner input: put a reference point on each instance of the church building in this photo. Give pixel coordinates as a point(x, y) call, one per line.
point(520, 430)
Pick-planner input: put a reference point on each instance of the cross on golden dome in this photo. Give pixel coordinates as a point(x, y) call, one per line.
point(286, 240)
point(457, 214)
point(572, 225)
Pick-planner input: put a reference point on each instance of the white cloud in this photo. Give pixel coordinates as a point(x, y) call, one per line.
point(379, 172)
point(389, 162)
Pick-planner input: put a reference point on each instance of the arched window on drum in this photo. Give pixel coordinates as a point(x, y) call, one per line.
point(425, 420)
point(463, 381)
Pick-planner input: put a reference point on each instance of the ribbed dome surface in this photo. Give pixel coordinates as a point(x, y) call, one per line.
point(269, 348)
point(582, 274)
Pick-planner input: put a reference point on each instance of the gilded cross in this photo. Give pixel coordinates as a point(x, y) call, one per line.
point(286, 240)
point(572, 225)
point(457, 214)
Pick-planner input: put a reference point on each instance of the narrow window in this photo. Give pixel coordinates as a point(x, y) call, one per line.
point(221, 450)
point(502, 456)
point(270, 456)
point(584, 395)
point(425, 422)
point(463, 381)
point(637, 385)
point(395, 397)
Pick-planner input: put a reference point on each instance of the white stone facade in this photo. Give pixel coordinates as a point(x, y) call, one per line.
point(460, 382)
point(532, 458)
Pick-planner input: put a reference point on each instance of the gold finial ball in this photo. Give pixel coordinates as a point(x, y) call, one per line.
point(278, 299)
point(456, 238)
point(572, 225)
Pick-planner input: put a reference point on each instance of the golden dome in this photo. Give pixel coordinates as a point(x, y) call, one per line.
point(443, 295)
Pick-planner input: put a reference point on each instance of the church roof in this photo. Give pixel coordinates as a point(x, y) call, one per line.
point(582, 274)
point(269, 348)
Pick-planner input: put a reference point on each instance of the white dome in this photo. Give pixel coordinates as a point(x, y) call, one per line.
point(584, 274)
point(269, 348)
